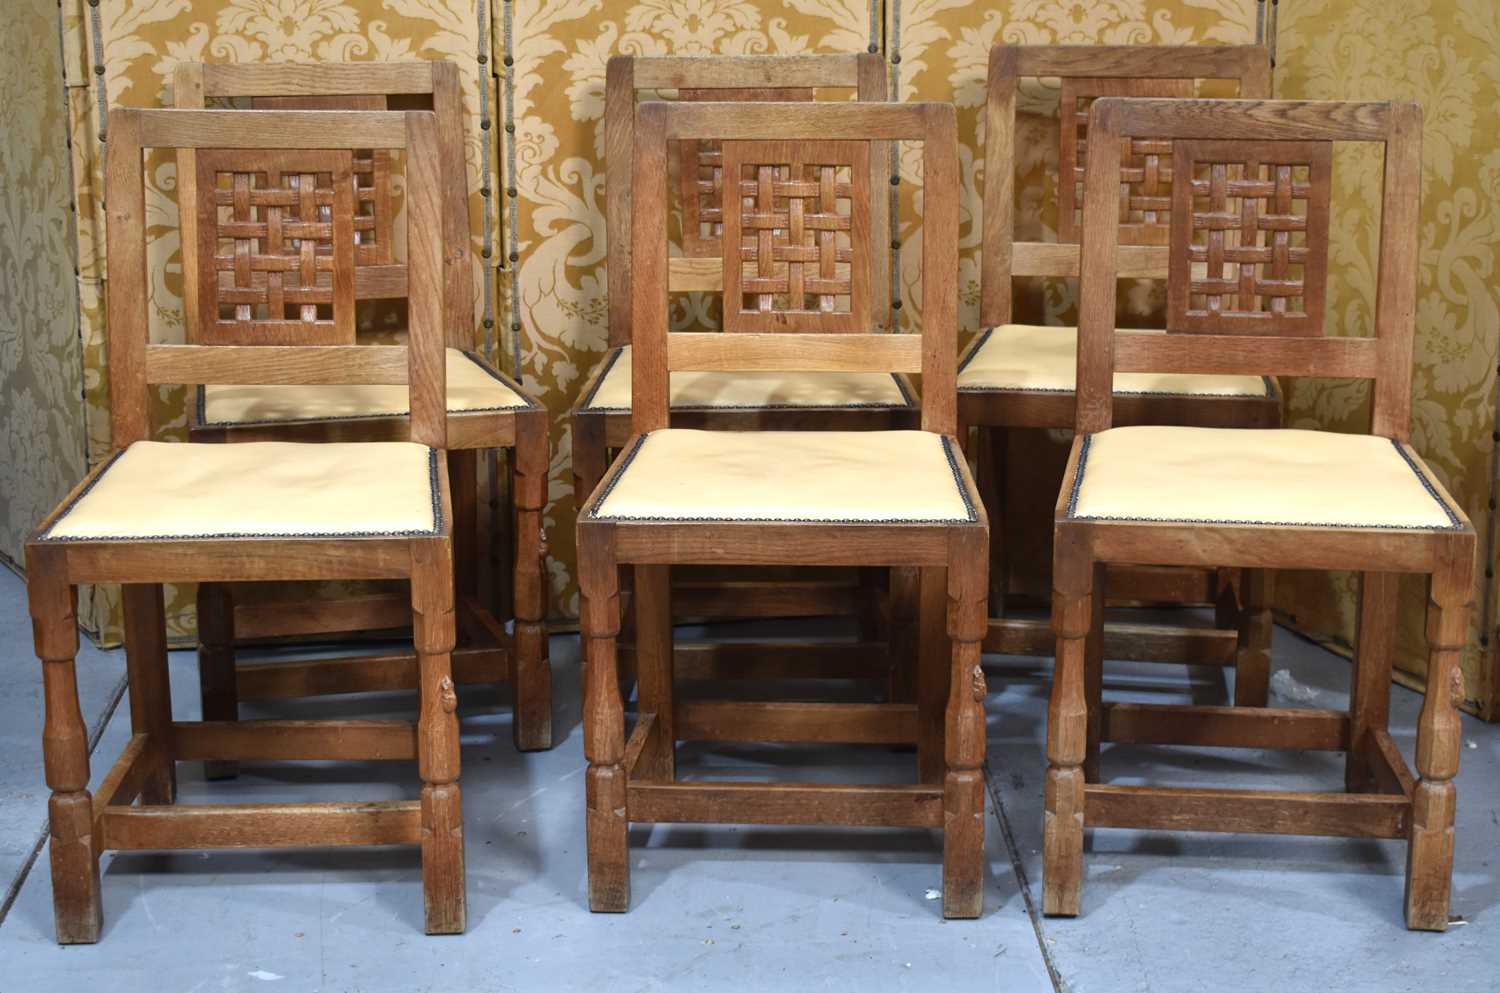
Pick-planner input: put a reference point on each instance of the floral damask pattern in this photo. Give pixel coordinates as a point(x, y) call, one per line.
point(41, 417)
point(1442, 54)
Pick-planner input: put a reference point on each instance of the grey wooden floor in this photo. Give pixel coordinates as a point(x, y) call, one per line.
point(739, 908)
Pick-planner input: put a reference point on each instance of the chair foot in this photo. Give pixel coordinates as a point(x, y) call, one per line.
point(608, 841)
point(76, 904)
point(1429, 857)
point(532, 689)
point(1062, 844)
point(443, 888)
point(963, 844)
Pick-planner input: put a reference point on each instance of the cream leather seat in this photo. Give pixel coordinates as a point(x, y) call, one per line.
point(753, 390)
point(1044, 360)
point(830, 476)
point(472, 387)
point(1246, 476)
point(159, 489)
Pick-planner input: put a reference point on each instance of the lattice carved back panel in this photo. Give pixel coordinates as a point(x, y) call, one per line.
point(275, 247)
point(796, 236)
point(1249, 247)
point(374, 198)
point(1145, 164)
point(701, 173)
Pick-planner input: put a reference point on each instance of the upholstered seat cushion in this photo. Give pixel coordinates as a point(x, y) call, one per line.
point(752, 390)
point(472, 386)
point(1242, 476)
point(261, 489)
point(1045, 360)
point(830, 476)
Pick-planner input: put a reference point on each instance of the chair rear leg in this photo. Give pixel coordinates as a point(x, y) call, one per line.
point(217, 680)
point(434, 630)
point(963, 781)
point(653, 656)
point(65, 748)
point(1370, 692)
point(150, 685)
point(1252, 663)
point(1429, 853)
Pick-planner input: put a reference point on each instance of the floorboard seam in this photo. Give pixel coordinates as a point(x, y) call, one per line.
point(95, 733)
point(1018, 866)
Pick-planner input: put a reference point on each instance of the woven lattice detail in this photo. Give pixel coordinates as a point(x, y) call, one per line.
point(276, 247)
point(701, 173)
point(1249, 237)
point(1145, 164)
point(796, 252)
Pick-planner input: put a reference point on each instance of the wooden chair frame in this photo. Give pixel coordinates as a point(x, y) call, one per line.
point(1381, 798)
point(633, 780)
point(1242, 635)
point(82, 826)
point(597, 434)
point(489, 653)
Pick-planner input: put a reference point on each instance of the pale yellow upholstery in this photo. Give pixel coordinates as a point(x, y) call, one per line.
point(855, 476)
point(472, 386)
point(753, 390)
point(158, 489)
point(1243, 476)
point(1045, 360)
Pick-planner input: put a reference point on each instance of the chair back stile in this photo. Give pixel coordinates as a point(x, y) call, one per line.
point(378, 274)
point(1248, 254)
point(304, 144)
point(1088, 73)
point(759, 78)
point(793, 247)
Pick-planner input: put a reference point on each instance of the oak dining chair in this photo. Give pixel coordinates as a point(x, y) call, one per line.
point(153, 513)
point(1015, 376)
point(749, 400)
point(792, 246)
point(1248, 261)
point(488, 411)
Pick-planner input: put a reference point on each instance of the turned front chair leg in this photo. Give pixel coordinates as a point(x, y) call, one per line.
point(218, 685)
point(1067, 726)
point(964, 746)
point(531, 665)
point(434, 630)
point(653, 663)
point(603, 723)
point(65, 750)
point(150, 685)
point(1252, 659)
point(1429, 853)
